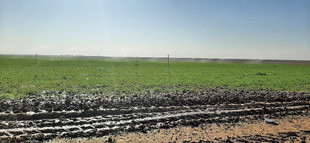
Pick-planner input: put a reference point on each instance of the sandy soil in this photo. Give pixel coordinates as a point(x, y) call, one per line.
point(289, 129)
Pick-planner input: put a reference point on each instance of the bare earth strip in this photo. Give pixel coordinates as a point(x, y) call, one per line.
point(208, 116)
point(289, 129)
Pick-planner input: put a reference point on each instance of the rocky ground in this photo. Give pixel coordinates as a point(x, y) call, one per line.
point(46, 117)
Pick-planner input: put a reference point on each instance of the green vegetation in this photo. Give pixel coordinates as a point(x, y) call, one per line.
point(21, 76)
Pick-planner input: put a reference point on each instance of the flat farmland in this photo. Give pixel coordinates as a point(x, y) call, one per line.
point(70, 99)
point(22, 76)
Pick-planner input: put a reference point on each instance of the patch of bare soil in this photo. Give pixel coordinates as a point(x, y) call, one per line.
point(47, 117)
point(289, 129)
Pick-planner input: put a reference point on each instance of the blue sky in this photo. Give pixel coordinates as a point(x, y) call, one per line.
point(252, 29)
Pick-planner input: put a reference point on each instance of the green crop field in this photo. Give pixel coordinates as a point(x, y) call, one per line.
point(20, 76)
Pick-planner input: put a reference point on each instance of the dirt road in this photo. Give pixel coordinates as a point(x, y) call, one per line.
point(46, 117)
point(289, 129)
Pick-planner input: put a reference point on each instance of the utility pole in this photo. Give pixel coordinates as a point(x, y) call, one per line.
point(168, 66)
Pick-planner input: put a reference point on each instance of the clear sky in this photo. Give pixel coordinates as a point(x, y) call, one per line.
point(252, 29)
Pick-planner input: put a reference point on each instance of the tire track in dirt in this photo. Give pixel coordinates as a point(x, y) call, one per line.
point(92, 120)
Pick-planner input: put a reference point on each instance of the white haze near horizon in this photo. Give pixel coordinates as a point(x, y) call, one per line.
point(266, 29)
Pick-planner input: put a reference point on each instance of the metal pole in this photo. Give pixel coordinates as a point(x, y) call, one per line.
point(168, 65)
point(36, 58)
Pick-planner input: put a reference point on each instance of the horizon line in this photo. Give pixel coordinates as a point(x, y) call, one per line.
point(148, 57)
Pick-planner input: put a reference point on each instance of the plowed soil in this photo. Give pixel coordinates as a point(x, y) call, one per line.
point(47, 117)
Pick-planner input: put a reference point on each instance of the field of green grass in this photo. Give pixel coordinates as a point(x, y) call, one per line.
point(21, 76)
